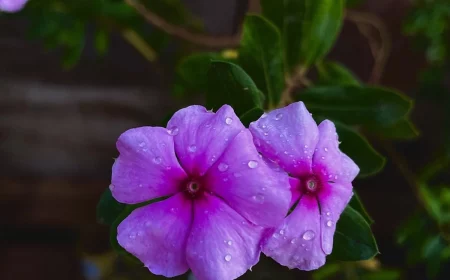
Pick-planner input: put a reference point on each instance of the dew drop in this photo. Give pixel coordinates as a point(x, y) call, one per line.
point(335, 177)
point(132, 235)
point(173, 130)
point(259, 198)
point(276, 235)
point(228, 258)
point(225, 179)
point(281, 231)
point(328, 213)
point(306, 146)
point(142, 144)
point(303, 245)
point(308, 235)
point(229, 242)
point(237, 174)
point(222, 167)
point(252, 164)
point(279, 116)
point(329, 223)
point(147, 224)
point(228, 120)
point(141, 233)
point(192, 148)
point(285, 152)
point(157, 160)
point(322, 157)
point(265, 133)
point(325, 149)
point(293, 241)
point(111, 187)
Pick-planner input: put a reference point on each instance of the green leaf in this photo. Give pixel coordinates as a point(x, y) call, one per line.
point(191, 73)
point(359, 149)
point(353, 239)
point(356, 204)
point(261, 56)
point(229, 84)
point(327, 271)
point(403, 129)
point(332, 73)
point(431, 200)
point(251, 116)
point(310, 28)
point(273, 11)
point(384, 274)
point(108, 209)
point(101, 41)
point(357, 105)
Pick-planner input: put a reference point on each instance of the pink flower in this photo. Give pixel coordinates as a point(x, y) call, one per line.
point(321, 183)
point(221, 195)
point(12, 6)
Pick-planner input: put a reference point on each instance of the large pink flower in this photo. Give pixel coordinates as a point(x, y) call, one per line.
point(12, 5)
point(221, 195)
point(321, 183)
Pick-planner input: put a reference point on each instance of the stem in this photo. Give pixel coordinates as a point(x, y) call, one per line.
point(140, 44)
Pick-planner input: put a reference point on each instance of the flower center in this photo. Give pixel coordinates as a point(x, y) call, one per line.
point(193, 187)
point(310, 184)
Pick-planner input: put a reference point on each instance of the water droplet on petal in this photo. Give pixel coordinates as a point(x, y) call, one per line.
point(222, 167)
point(265, 133)
point(142, 144)
point(325, 149)
point(279, 116)
point(306, 146)
point(308, 235)
point(225, 179)
point(285, 152)
point(259, 198)
point(322, 157)
point(264, 116)
point(328, 213)
point(276, 235)
point(229, 242)
point(252, 164)
point(228, 258)
point(192, 148)
point(335, 177)
point(111, 187)
point(132, 235)
point(237, 174)
point(173, 130)
point(157, 160)
point(281, 231)
point(147, 224)
point(293, 241)
point(141, 233)
point(329, 223)
point(228, 120)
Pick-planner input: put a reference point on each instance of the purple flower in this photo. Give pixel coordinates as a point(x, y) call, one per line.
point(222, 195)
point(12, 6)
point(321, 183)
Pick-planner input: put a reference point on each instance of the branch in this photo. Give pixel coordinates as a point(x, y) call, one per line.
point(381, 50)
point(182, 33)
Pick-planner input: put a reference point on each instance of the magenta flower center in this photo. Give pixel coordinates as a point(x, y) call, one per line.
point(310, 184)
point(193, 188)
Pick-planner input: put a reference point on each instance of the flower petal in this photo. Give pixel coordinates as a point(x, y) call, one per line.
point(147, 167)
point(288, 136)
point(333, 199)
point(252, 188)
point(201, 136)
point(157, 235)
point(222, 244)
point(328, 161)
point(12, 5)
point(295, 190)
point(296, 243)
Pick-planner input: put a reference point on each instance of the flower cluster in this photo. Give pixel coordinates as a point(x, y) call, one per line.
point(12, 6)
point(228, 191)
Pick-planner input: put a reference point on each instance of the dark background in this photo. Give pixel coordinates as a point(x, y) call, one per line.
point(58, 131)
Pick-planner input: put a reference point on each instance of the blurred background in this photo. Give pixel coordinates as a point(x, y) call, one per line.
point(72, 81)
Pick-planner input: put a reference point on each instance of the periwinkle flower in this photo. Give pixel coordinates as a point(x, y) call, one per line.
point(221, 195)
point(12, 6)
point(321, 183)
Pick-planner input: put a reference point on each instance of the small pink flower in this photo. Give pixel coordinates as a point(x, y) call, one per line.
point(12, 6)
point(321, 183)
point(221, 195)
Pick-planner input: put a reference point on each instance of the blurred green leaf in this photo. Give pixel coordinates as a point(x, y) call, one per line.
point(357, 105)
point(384, 274)
point(356, 204)
point(326, 271)
point(353, 3)
point(403, 129)
point(101, 41)
point(353, 239)
point(273, 11)
point(192, 72)
point(333, 73)
point(432, 203)
point(359, 149)
point(108, 209)
point(229, 84)
point(251, 116)
point(261, 56)
point(310, 28)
